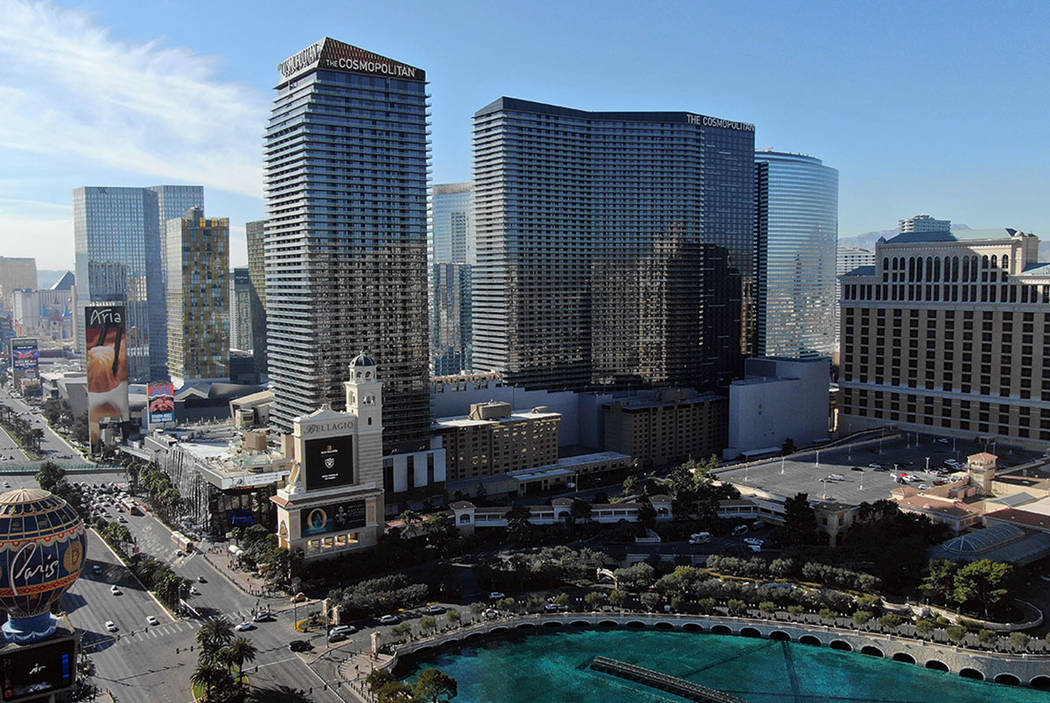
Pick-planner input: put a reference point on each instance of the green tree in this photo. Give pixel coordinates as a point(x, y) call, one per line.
point(800, 521)
point(427, 623)
point(594, 600)
point(1019, 640)
point(238, 652)
point(631, 485)
point(50, 475)
point(435, 685)
point(377, 679)
point(519, 529)
point(396, 692)
point(939, 584)
point(983, 584)
point(215, 634)
point(208, 676)
point(650, 600)
point(617, 598)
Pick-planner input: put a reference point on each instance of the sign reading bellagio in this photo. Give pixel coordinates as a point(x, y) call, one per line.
point(332, 518)
point(329, 462)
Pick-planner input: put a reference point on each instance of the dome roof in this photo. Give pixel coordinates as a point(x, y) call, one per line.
point(42, 549)
point(362, 360)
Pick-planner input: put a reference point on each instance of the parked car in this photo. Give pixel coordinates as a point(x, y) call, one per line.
point(874, 466)
point(753, 540)
point(343, 630)
point(491, 614)
point(556, 608)
point(334, 637)
point(497, 595)
point(389, 620)
point(299, 598)
point(739, 530)
point(699, 537)
point(433, 610)
point(925, 486)
point(298, 645)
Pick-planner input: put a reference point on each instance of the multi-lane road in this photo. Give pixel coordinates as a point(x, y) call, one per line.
point(52, 447)
point(153, 663)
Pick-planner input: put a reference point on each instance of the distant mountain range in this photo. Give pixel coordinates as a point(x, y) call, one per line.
point(868, 239)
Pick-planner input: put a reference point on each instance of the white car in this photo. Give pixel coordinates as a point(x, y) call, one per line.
point(114, 590)
point(343, 630)
point(245, 626)
point(150, 620)
point(388, 620)
point(924, 486)
point(111, 626)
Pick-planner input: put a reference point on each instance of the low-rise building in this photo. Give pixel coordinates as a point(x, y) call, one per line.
point(225, 478)
point(470, 517)
point(494, 439)
point(777, 400)
point(670, 427)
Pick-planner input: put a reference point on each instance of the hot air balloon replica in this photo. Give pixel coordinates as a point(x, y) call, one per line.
point(43, 543)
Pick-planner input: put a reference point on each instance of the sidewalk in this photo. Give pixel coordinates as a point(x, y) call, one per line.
point(220, 558)
point(353, 672)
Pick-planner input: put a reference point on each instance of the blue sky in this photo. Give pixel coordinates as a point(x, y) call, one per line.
point(936, 107)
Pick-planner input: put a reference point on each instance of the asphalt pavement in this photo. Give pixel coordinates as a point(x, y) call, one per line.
point(52, 447)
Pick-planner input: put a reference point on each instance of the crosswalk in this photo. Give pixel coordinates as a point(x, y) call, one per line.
point(93, 641)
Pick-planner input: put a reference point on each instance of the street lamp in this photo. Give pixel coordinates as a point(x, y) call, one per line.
point(927, 463)
point(818, 459)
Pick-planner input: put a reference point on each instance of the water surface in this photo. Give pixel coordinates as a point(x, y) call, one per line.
point(554, 667)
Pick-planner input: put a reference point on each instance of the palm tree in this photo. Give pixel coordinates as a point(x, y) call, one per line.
point(215, 634)
point(206, 675)
point(239, 651)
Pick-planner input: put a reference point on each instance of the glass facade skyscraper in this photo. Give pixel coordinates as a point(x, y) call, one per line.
point(613, 248)
point(346, 157)
point(198, 263)
point(798, 214)
point(119, 258)
point(256, 235)
point(452, 251)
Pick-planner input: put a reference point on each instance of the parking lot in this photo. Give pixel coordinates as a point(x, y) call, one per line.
point(856, 480)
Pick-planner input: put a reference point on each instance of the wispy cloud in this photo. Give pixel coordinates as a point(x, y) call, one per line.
point(144, 108)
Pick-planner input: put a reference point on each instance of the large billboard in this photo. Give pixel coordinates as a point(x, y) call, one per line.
point(25, 359)
point(332, 518)
point(37, 670)
point(107, 365)
point(161, 403)
point(329, 462)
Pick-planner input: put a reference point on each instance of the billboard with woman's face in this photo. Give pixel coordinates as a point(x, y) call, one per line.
point(107, 365)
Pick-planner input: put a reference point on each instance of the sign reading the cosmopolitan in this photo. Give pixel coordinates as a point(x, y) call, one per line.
point(335, 55)
point(107, 365)
point(705, 121)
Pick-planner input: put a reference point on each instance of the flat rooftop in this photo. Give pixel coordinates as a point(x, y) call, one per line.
point(802, 473)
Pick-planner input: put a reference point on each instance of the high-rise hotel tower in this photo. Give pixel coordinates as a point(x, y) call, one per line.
point(346, 234)
point(613, 248)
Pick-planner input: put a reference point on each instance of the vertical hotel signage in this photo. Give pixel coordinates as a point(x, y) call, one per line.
point(107, 365)
point(25, 359)
point(160, 398)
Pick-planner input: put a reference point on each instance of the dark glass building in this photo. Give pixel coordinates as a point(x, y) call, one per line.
point(346, 159)
point(614, 249)
point(119, 239)
point(256, 235)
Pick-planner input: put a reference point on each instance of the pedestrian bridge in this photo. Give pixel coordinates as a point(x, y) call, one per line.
point(1012, 669)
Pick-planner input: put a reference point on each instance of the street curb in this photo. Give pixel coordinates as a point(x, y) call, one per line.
point(134, 576)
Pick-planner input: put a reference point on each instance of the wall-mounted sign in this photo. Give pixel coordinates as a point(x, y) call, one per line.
point(161, 399)
point(107, 365)
point(332, 518)
point(329, 462)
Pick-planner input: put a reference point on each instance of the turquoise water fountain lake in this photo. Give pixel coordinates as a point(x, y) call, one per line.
point(554, 667)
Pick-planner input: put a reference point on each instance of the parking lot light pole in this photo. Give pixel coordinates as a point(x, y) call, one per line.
point(927, 464)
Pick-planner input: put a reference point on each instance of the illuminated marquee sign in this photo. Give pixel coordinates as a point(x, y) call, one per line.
point(705, 121)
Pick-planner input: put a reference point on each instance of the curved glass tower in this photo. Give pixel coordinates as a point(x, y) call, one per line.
point(798, 209)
